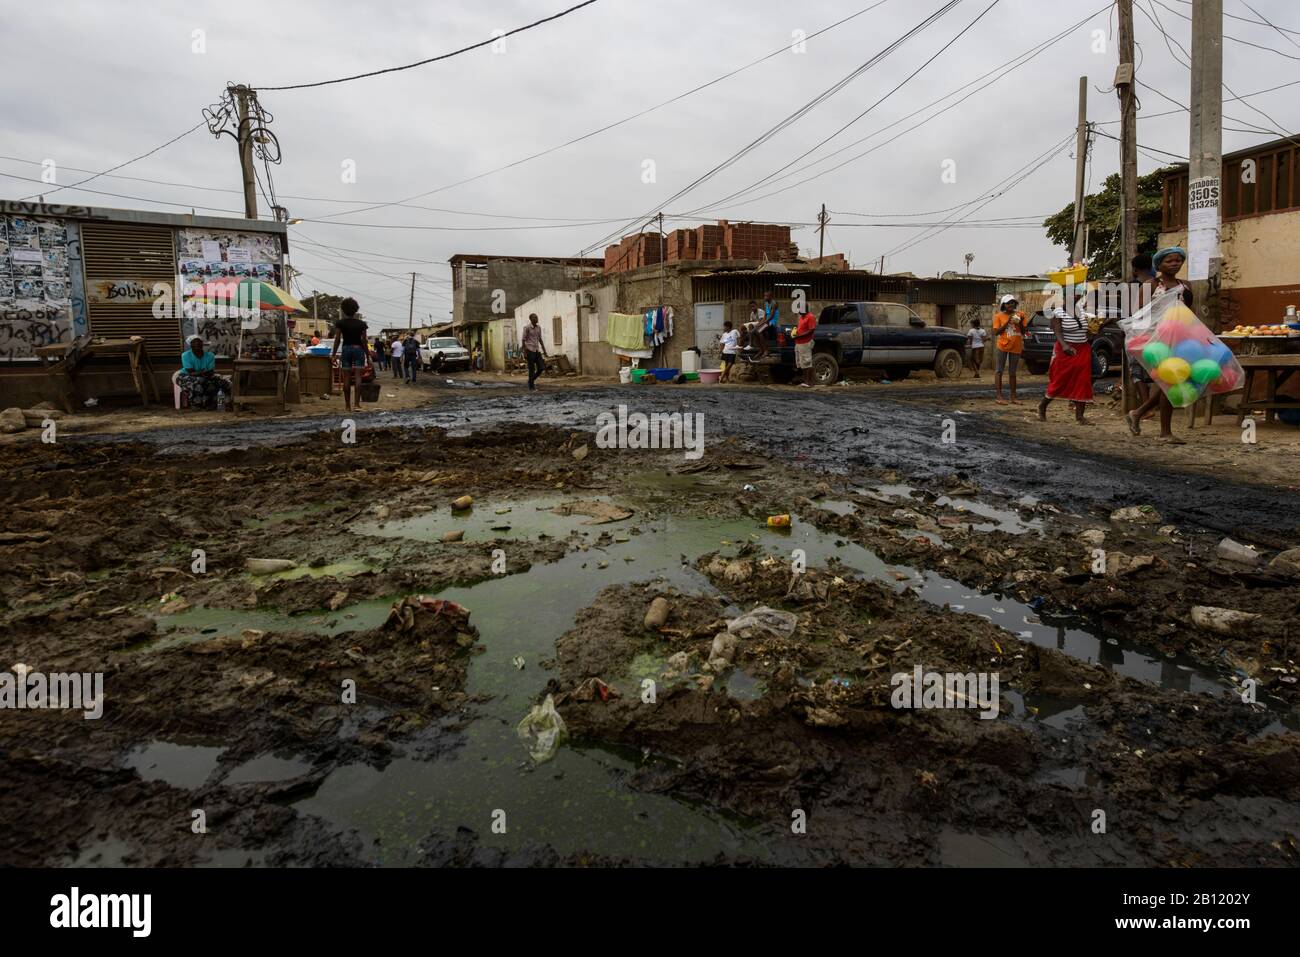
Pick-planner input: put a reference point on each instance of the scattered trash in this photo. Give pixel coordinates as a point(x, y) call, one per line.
point(749, 488)
point(518, 662)
point(455, 536)
point(1287, 562)
point(382, 512)
point(543, 731)
point(1231, 551)
point(1222, 621)
point(462, 503)
point(722, 651)
point(1142, 514)
point(580, 453)
point(502, 511)
point(764, 622)
point(336, 600)
point(269, 566)
point(91, 403)
point(657, 615)
point(1037, 602)
point(12, 420)
point(778, 521)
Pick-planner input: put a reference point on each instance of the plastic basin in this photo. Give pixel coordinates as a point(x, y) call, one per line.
point(665, 375)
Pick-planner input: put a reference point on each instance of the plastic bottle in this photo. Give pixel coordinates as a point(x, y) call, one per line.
point(778, 521)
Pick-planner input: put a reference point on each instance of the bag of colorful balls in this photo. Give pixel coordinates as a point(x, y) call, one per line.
point(1182, 356)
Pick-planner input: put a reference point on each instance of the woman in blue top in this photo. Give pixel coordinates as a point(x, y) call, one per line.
point(199, 377)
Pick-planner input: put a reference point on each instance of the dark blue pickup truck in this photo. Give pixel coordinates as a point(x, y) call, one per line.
point(878, 335)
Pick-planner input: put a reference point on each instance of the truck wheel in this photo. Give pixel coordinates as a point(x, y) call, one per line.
point(947, 365)
point(1100, 363)
point(826, 370)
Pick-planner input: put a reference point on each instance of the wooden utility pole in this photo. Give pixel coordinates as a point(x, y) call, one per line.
point(1205, 153)
point(410, 318)
point(242, 93)
point(822, 220)
point(1125, 87)
point(1080, 168)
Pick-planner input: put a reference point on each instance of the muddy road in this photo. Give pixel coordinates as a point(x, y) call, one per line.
point(310, 657)
point(835, 432)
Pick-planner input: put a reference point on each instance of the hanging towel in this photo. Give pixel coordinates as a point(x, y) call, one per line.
point(625, 331)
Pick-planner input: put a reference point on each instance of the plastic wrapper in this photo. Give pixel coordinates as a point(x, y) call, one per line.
point(1180, 353)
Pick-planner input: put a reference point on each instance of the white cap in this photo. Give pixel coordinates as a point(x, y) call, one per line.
point(1006, 299)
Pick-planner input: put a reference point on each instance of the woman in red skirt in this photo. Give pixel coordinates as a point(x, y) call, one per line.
point(1070, 374)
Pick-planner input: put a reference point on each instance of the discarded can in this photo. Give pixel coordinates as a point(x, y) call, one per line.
point(462, 503)
point(778, 521)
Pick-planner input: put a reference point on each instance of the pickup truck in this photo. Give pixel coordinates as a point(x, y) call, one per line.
point(877, 335)
point(444, 353)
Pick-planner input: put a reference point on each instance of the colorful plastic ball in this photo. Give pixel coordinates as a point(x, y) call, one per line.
point(1182, 395)
point(1173, 370)
point(1219, 352)
point(1228, 381)
point(1205, 371)
point(1190, 351)
point(1179, 314)
point(1154, 353)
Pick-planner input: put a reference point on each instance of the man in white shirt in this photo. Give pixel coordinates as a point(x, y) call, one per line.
point(730, 340)
point(397, 357)
point(976, 336)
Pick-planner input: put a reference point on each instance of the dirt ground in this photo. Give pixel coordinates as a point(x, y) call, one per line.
point(359, 707)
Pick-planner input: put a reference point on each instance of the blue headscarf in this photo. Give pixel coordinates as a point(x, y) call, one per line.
point(1167, 251)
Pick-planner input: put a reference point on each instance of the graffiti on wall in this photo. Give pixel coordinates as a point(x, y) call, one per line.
point(36, 287)
point(205, 255)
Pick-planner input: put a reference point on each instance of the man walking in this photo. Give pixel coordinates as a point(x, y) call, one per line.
point(534, 350)
point(395, 354)
point(411, 356)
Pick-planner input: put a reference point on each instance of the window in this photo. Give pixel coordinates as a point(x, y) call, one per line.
point(897, 316)
point(875, 313)
point(557, 331)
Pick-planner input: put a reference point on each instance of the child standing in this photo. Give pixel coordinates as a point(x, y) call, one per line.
point(976, 337)
point(730, 339)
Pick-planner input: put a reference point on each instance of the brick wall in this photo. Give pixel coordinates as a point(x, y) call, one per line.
point(723, 240)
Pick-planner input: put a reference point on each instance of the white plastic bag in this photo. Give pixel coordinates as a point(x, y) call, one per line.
point(764, 622)
point(543, 731)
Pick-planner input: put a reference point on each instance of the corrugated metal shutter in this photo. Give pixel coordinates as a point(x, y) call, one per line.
point(117, 252)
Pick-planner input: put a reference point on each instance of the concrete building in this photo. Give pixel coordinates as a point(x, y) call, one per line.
point(557, 316)
point(1260, 236)
point(486, 291)
point(702, 296)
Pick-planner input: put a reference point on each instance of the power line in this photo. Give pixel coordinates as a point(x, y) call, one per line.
point(997, 73)
point(120, 165)
point(610, 126)
point(789, 119)
point(1229, 36)
point(855, 119)
point(1142, 146)
point(433, 59)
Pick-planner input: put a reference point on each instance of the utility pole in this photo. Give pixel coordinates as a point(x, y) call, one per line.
point(315, 315)
point(1204, 185)
point(242, 93)
point(1080, 166)
point(822, 220)
point(1125, 87)
point(410, 318)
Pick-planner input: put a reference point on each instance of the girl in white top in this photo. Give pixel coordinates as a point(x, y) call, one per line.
point(976, 336)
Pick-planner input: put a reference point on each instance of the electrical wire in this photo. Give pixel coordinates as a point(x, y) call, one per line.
point(433, 59)
point(119, 165)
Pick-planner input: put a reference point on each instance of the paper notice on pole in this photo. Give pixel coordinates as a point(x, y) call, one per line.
point(1202, 225)
point(239, 254)
point(26, 255)
point(211, 251)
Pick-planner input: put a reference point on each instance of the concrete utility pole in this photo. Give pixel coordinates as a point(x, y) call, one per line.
point(410, 317)
point(1080, 167)
point(822, 220)
point(1205, 152)
point(1125, 87)
point(242, 93)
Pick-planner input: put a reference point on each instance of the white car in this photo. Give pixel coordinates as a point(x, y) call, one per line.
point(447, 349)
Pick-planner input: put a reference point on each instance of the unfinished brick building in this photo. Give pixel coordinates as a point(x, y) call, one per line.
point(722, 241)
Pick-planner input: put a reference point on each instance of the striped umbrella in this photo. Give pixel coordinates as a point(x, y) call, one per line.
point(246, 294)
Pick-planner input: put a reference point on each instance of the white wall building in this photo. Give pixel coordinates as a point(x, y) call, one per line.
point(557, 315)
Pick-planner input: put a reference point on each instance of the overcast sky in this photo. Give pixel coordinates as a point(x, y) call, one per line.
point(90, 85)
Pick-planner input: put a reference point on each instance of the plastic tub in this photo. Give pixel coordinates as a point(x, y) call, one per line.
point(710, 376)
point(691, 376)
point(665, 375)
point(638, 375)
point(625, 375)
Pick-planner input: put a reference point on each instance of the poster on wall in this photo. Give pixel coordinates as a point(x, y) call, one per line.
point(205, 255)
point(35, 286)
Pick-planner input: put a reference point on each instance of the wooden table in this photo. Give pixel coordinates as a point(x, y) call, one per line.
point(61, 362)
point(247, 392)
point(1276, 370)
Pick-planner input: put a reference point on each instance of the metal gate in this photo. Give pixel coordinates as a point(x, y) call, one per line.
point(122, 263)
point(708, 330)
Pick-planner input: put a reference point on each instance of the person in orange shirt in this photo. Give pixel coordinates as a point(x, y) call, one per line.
point(803, 347)
point(1009, 326)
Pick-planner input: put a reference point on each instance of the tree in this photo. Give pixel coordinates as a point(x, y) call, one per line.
point(1102, 213)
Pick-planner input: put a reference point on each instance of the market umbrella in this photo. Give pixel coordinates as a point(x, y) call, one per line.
point(244, 293)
